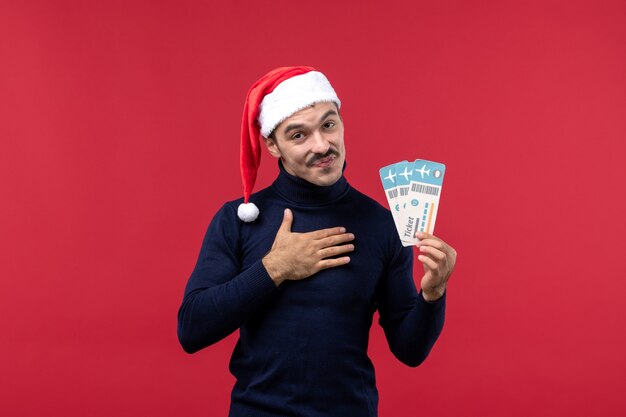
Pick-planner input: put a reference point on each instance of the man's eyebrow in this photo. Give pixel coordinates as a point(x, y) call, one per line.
point(300, 125)
point(292, 127)
point(328, 113)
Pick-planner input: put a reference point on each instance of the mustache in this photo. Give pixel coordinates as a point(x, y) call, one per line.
point(317, 157)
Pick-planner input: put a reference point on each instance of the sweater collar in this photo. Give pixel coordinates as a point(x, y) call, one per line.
point(299, 191)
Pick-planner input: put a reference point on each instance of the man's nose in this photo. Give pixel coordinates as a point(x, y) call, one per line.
point(320, 143)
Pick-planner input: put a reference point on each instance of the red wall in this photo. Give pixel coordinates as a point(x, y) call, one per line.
point(119, 126)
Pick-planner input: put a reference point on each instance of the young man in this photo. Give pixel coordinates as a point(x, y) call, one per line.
point(302, 279)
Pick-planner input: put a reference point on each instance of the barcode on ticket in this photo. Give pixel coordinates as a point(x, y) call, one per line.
point(425, 189)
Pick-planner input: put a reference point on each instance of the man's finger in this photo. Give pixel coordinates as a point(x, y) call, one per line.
point(427, 261)
point(285, 226)
point(335, 240)
point(323, 233)
point(335, 250)
point(331, 263)
point(439, 244)
point(424, 235)
point(433, 252)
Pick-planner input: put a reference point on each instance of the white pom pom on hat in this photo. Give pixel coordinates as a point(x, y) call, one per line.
point(248, 212)
point(273, 98)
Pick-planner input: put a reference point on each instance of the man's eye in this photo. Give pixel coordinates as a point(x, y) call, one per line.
point(329, 125)
point(297, 136)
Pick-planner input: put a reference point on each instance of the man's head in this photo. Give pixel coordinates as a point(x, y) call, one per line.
point(295, 111)
point(310, 144)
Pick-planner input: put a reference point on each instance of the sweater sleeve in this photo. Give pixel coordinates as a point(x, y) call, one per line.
point(411, 324)
point(219, 296)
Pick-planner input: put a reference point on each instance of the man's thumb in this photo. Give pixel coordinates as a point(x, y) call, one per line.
point(285, 226)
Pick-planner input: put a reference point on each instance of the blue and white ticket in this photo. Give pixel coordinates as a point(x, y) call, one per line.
point(388, 177)
point(413, 190)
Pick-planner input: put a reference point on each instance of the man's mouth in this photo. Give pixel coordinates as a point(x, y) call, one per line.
point(323, 161)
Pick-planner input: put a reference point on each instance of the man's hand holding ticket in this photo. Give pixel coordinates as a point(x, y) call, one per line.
point(413, 190)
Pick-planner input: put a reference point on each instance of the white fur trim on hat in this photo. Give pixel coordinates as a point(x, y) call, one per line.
point(292, 95)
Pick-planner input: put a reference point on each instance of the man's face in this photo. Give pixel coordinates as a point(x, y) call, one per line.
point(310, 144)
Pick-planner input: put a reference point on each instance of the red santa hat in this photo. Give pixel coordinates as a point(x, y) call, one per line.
point(272, 99)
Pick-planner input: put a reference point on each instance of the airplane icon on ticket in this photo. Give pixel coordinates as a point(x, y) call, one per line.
point(391, 176)
point(423, 170)
point(406, 173)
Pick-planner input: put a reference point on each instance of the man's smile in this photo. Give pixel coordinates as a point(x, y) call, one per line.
point(323, 161)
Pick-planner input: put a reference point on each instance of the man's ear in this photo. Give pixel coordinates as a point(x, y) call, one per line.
point(272, 147)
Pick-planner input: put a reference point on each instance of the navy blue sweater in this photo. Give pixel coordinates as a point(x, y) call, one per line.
point(302, 348)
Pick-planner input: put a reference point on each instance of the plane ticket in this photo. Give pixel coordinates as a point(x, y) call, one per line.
point(413, 190)
point(387, 176)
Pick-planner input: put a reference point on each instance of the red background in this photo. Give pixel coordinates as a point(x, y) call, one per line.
point(119, 126)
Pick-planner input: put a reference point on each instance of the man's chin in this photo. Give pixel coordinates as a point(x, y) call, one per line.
point(326, 179)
